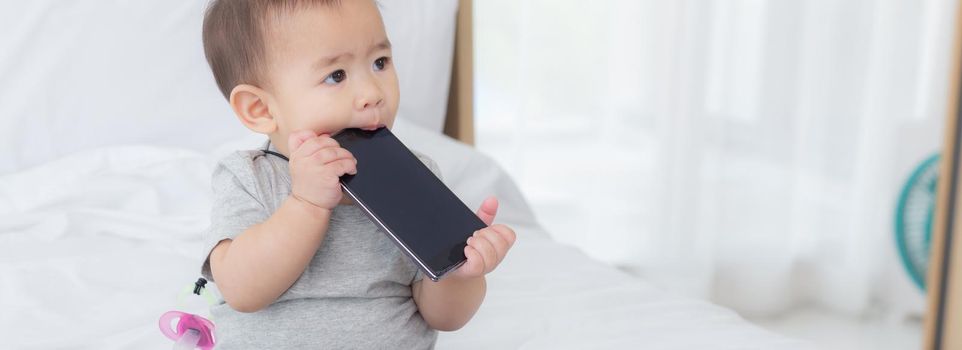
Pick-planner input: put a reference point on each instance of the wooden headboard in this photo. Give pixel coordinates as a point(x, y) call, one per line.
point(459, 122)
point(943, 318)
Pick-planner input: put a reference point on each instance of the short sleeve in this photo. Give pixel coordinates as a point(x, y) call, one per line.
point(419, 275)
point(236, 204)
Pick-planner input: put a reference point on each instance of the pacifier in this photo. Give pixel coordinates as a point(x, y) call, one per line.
point(191, 332)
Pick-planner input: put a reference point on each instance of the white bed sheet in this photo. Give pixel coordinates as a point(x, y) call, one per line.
point(96, 245)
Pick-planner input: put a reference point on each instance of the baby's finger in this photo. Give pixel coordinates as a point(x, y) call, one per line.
point(312, 146)
point(488, 209)
point(332, 154)
point(343, 166)
point(487, 252)
point(506, 232)
point(295, 139)
point(475, 264)
point(500, 245)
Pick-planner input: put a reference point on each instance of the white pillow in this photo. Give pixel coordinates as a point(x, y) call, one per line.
point(89, 73)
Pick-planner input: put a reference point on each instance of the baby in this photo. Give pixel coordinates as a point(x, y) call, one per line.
point(297, 264)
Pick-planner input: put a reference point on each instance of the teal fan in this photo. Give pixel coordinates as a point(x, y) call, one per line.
point(913, 219)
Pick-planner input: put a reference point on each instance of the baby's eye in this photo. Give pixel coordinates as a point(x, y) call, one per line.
point(381, 62)
point(336, 77)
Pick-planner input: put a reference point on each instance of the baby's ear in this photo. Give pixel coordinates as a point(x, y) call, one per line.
point(250, 104)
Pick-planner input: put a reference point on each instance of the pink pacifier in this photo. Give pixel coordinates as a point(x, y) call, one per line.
point(192, 331)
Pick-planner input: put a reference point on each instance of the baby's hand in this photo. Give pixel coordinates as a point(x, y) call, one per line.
point(316, 162)
point(488, 246)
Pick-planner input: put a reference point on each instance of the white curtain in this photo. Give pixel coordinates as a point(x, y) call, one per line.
point(746, 151)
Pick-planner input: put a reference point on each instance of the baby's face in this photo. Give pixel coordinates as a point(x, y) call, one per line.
point(330, 68)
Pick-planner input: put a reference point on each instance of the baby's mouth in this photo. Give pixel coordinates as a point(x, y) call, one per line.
point(382, 125)
point(374, 128)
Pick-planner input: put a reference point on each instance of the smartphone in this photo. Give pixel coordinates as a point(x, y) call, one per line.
point(407, 201)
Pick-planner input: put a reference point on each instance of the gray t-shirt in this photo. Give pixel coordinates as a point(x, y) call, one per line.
point(354, 294)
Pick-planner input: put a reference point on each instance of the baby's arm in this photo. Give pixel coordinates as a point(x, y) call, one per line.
point(261, 263)
point(255, 268)
point(450, 303)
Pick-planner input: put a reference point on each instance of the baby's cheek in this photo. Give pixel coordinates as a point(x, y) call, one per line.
point(317, 113)
point(324, 122)
point(392, 107)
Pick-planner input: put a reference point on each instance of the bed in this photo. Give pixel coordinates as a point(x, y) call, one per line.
point(104, 192)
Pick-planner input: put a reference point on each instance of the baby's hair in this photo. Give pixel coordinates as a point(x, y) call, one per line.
point(233, 37)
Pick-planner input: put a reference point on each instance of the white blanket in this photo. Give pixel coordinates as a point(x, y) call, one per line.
point(94, 247)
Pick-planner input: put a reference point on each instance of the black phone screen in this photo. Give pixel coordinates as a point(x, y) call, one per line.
point(402, 196)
